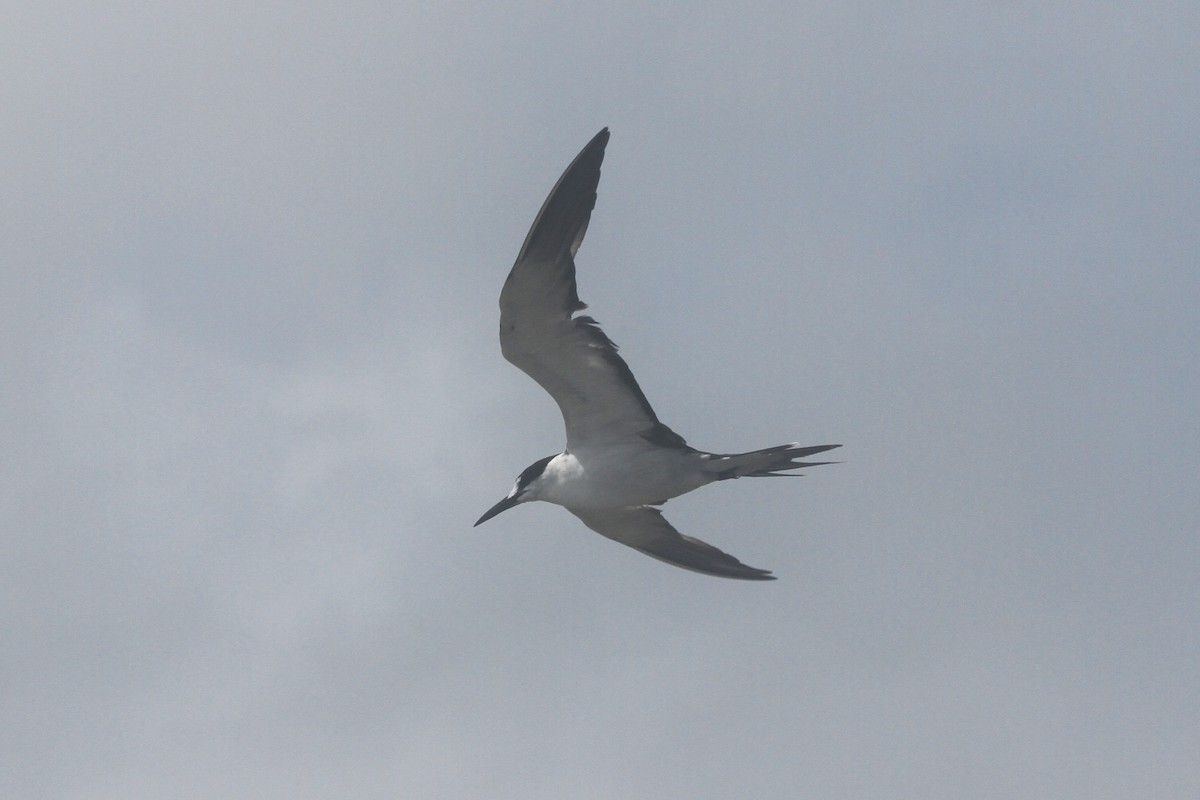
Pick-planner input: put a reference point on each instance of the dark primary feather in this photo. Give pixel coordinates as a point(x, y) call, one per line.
point(562, 221)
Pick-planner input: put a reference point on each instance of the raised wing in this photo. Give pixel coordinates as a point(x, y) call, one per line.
point(570, 357)
point(644, 528)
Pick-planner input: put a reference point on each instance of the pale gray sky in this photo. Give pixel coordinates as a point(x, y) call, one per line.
point(250, 258)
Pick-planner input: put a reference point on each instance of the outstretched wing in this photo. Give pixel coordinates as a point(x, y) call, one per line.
point(570, 357)
point(644, 528)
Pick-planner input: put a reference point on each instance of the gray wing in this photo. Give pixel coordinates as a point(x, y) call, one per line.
point(644, 528)
point(570, 357)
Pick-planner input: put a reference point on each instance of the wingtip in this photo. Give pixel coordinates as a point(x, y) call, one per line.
point(560, 225)
point(598, 142)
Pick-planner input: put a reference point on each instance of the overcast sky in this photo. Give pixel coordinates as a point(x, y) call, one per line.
point(253, 400)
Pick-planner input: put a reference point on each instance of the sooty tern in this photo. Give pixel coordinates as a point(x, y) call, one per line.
point(620, 460)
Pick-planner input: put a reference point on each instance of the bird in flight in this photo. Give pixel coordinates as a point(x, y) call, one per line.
point(620, 460)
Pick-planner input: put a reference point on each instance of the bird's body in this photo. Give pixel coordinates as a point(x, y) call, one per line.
point(620, 460)
point(628, 473)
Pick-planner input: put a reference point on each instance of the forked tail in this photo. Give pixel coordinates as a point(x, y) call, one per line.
point(773, 462)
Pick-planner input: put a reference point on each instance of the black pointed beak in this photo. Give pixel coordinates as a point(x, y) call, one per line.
point(503, 505)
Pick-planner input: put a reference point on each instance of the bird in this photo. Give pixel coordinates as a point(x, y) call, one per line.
point(620, 462)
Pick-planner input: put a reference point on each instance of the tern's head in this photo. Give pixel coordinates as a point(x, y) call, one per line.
point(523, 490)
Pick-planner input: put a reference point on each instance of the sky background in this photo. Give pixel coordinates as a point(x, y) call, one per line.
point(254, 401)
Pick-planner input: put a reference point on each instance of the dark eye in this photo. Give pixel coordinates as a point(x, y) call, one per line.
point(532, 472)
